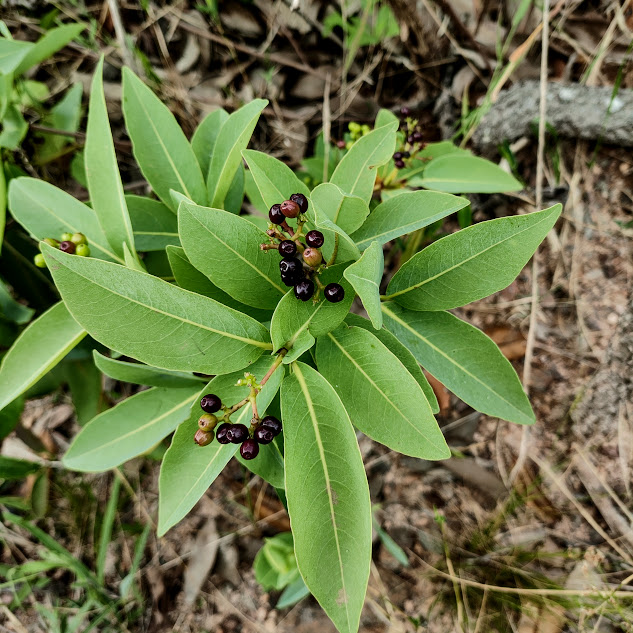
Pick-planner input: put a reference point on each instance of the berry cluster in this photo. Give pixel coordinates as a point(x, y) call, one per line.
point(261, 431)
point(71, 243)
point(303, 276)
point(414, 140)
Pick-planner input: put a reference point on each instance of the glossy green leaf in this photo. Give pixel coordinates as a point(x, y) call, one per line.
point(14, 127)
point(457, 172)
point(253, 195)
point(401, 352)
point(102, 172)
point(348, 212)
point(365, 276)
point(187, 469)
point(269, 464)
point(10, 416)
point(154, 224)
point(472, 263)
point(463, 359)
point(292, 594)
point(205, 136)
point(382, 398)
point(404, 214)
point(190, 278)
point(328, 496)
point(144, 374)
point(153, 321)
point(336, 239)
point(235, 195)
point(48, 44)
point(161, 149)
point(129, 429)
point(39, 348)
point(225, 247)
point(275, 181)
point(296, 324)
point(46, 211)
point(356, 173)
point(227, 153)
point(435, 150)
point(385, 117)
point(16, 468)
point(84, 382)
point(12, 52)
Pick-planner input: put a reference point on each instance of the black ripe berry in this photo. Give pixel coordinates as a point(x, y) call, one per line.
point(290, 208)
point(68, 247)
point(399, 164)
point(301, 200)
point(406, 154)
point(221, 433)
point(210, 403)
point(397, 156)
point(263, 435)
point(314, 239)
point(417, 136)
point(275, 215)
point(291, 280)
point(334, 293)
point(203, 438)
point(304, 289)
point(404, 111)
point(237, 433)
point(290, 266)
point(287, 248)
point(249, 449)
point(272, 423)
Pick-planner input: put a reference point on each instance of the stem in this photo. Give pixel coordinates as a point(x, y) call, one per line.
point(269, 247)
point(274, 366)
point(335, 251)
point(286, 227)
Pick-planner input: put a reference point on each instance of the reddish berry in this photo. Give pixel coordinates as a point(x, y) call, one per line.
point(68, 247)
point(272, 423)
point(203, 438)
point(221, 434)
point(304, 289)
point(249, 449)
point(417, 136)
point(399, 164)
point(237, 433)
point(312, 257)
point(290, 208)
point(340, 144)
point(315, 239)
point(207, 422)
point(334, 293)
point(275, 215)
point(404, 111)
point(210, 403)
point(287, 248)
point(301, 200)
point(263, 435)
point(410, 139)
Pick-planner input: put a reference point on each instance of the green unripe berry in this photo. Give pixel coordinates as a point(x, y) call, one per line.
point(312, 257)
point(78, 238)
point(207, 422)
point(66, 237)
point(83, 250)
point(354, 127)
point(39, 261)
point(51, 242)
point(365, 129)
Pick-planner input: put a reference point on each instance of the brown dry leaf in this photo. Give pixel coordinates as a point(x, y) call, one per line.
point(201, 560)
point(510, 341)
point(441, 393)
point(474, 474)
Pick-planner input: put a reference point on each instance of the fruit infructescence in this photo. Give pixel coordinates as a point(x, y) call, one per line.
point(71, 243)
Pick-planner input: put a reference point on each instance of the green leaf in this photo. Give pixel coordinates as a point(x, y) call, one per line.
point(382, 398)
point(296, 324)
point(225, 247)
point(12, 52)
point(356, 173)
point(10, 416)
point(144, 374)
point(84, 381)
point(192, 279)
point(252, 193)
point(435, 150)
point(269, 464)
point(328, 496)
point(401, 352)
point(385, 117)
point(129, 429)
point(3, 202)
point(39, 348)
point(155, 226)
point(232, 139)
point(348, 212)
point(365, 276)
point(160, 146)
point(463, 359)
point(14, 128)
point(390, 545)
point(462, 173)
point(154, 321)
point(46, 211)
point(235, 196)
point(472, 263)
point(16, 468)
point(187, 469)
point(102, 172)
point(404, 214)
point(48, 44)
point(13, 310)
point(293, 593)
point(275, 181)
point(335, 237)
point(205, 136)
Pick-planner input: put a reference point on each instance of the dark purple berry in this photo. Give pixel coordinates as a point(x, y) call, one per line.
point(315, 239)
point(237, 433)
point(304, 289)
point(221, 434)
point(68, 247)
point(399, 164)
point(334, 293)
point(397, 156)
point(417, 136)
point(203, 438)
point(275, 215)
point(287, 248)
point(210, 403)
point(272, 423)
point(410, 139)
point(263, 435)
point(404, 111)
point(290, 267)
point(290, 208)
point(301, 200)
point(406, 154)
point(249, 449)
point(292, 280)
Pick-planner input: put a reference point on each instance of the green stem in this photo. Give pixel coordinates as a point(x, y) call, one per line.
point(334, 252)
